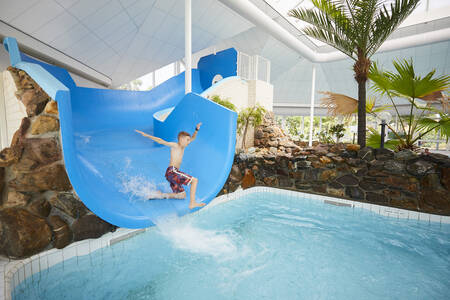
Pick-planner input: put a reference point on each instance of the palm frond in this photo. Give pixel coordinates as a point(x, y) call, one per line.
point(380, 79)
point(441, 126)
point(408, 84)
point(387, 20)
point(339, 104)
point(405, 82)
point(364, 13)
point(438, 97)
point(371, 108)
point(329, 24)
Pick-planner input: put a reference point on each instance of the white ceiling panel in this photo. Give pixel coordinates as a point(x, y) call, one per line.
point(51, 30)
point(167, 5)
point(103, 15)
point(11, 9)
point(84, 8)
point(127, 3)
point(121, 38)
point(67, 3)
point(113, 25)
point(153, 22)
point(128, 29)
point(68, 38)
point(37, 15)
point(169, 25)
point(139, 6)
point(153, 49)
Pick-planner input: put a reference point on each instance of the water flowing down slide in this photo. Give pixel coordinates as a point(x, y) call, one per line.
point(112, 168)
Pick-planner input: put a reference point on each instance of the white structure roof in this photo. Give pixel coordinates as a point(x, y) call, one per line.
point(120, 39)
point(115, 41)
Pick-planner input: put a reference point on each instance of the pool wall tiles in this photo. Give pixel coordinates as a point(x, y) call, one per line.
point(12, 273)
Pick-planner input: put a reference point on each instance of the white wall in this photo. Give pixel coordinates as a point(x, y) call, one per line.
point(243, 94)
point(12, 111)
point(260, 92)
point(235, 90)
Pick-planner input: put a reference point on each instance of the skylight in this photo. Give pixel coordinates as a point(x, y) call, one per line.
point(427, 11)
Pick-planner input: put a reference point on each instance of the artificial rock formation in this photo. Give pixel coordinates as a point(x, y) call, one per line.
point(38, 207)
point(404, 179)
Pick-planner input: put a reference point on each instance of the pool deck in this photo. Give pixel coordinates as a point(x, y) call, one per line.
point(13, 272)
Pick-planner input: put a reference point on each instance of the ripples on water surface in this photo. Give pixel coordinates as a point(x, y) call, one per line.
point(265, 246)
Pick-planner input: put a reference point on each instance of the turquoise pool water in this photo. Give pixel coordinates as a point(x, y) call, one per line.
point(262, 246)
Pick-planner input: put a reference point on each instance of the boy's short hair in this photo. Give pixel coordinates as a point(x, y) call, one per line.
point(183, 133)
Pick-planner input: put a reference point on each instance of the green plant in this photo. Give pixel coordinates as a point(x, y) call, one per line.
point(134, 85)
point(357, 28)
point(224, 102)
point(324, 137)
point(293, 126)
point(250, 116)
point(374, 140)
point(338, 131)
point(405, 83)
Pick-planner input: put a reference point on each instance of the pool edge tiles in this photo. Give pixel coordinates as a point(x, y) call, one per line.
point(12, 273)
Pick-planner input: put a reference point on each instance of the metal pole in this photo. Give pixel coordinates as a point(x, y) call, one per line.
point(311, 115)
point(383, 125)
point(438, 139)
point(188, 45)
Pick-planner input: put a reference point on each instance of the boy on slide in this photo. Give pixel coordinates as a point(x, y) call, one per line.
point(175, 177)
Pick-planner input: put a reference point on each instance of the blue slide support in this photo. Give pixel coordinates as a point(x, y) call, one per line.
point(111, 167)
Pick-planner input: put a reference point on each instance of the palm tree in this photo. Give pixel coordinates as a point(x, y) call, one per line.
point(356, 28)
point(406, 83)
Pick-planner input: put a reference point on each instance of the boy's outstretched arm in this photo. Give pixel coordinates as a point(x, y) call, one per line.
point(156, 139)
point(197, 128)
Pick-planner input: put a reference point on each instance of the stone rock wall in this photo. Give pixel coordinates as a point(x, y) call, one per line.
point(38, 208)
point(404, 179)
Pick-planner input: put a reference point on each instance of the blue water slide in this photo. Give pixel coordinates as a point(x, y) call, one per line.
point(113, 169)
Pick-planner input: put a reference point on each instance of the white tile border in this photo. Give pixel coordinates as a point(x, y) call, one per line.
point(13, 272)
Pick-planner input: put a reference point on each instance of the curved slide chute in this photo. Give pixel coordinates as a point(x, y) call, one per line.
point(112, 168)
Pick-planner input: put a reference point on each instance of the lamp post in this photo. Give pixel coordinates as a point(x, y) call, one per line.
point(385, 119)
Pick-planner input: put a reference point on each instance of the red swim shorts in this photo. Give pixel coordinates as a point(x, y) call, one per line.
point(177, 178)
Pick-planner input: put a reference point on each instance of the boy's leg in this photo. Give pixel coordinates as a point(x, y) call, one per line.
point(179, 195)
point(192, 203)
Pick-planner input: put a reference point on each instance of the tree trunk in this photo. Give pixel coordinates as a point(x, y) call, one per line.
point(245, 133)
point(362, 113)
point(361, 68)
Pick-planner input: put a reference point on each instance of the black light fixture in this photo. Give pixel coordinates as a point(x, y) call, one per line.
point(385, 119)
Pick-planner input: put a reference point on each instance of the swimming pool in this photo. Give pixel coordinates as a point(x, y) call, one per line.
point(266, 246)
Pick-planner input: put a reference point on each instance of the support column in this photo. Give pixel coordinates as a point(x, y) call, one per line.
point(311, 115)
point(188, 45)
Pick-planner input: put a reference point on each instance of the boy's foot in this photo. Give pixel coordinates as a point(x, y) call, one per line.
point(195, 204)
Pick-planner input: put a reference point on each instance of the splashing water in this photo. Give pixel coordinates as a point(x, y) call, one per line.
point(185, 236)
point(140, 188)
